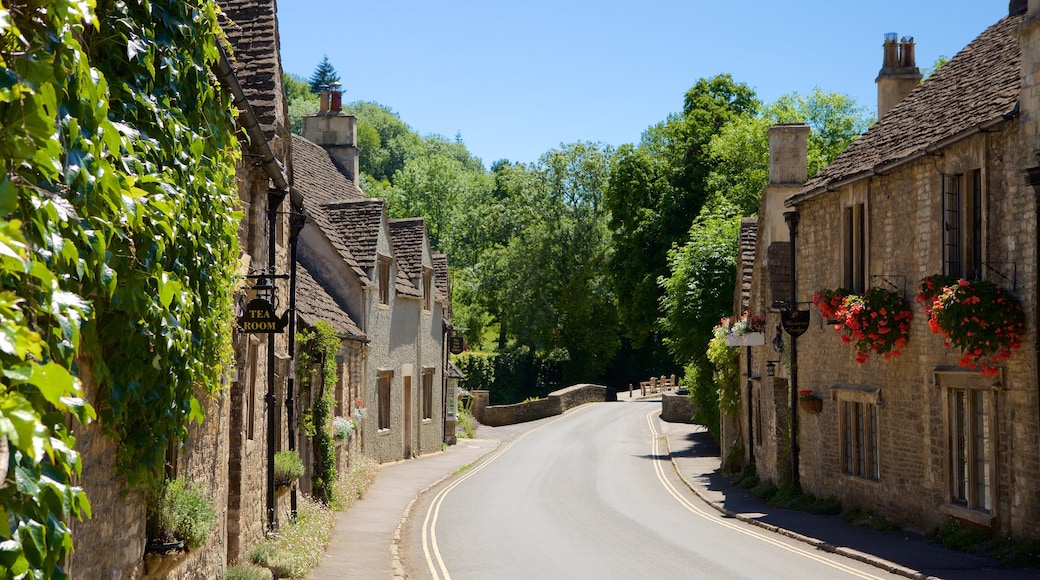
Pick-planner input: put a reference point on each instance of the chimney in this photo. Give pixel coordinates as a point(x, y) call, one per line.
point(899, 73)
point(1016, 7)
point(788, 170)
point(335, 131)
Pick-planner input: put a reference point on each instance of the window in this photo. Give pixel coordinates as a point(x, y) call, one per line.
point(962, 224)
point(427, 288)
point(384, 398)
point(855, 248)
point(971, 469)
point(383, 266)
point(859, 439)
point(427, 393)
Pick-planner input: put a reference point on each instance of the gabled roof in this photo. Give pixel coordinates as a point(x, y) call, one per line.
point(252, 30)
point(318, 181)
point(977, 88)
point(357, 223)
point(407, 236)
point(313, 303)
point(315, 171)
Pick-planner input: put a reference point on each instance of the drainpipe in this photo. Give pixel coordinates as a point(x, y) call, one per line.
point(750, 413)
point(791, 218)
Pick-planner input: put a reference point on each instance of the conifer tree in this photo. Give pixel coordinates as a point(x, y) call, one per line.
point(324, 74)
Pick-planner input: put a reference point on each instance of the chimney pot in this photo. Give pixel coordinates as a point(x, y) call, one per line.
point(337, 98)
point(323, 99)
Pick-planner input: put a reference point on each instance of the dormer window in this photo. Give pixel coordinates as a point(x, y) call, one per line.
point(383, 267)
point(427, 288)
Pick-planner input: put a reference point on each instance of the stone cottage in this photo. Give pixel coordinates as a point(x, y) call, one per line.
point(944, 184)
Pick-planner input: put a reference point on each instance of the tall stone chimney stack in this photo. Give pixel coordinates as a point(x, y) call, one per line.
point(788, 170)
point(899, 73)
point(334, 130)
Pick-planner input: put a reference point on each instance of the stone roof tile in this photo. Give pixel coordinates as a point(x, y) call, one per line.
point(979, 85)
point(251, 27)
point(314, 303)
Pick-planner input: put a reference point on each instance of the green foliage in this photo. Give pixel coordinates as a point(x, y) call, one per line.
point(300, 99)
point(699, 290)
point(299, 546)
point(180, 511)
point(467, 425)
point(320, 346)
point(119, 240)
point(324, 75)
point(704, 395)
point(288, 467)
point(957, 535)
point(248, 572)
point(867, 518)
point(354, 484)
point(727, 372)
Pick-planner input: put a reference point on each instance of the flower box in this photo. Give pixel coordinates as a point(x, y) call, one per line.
point(749, 339)
point(811, 405)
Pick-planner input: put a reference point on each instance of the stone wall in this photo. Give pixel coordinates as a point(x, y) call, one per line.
point(677, 408)
point(556, 403)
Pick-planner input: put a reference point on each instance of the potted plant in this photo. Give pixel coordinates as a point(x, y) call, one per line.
point(342, 428)
point(359, 411)
point(288, 467)
point(878, 321)
point(809, 402)
point(179, 519)
point(979, 318)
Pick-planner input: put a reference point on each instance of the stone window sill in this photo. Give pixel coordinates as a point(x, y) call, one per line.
point(974, 516)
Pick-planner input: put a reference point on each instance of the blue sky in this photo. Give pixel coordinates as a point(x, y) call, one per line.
point(517, 79)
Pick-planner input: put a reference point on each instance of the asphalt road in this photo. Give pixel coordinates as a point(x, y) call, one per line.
point(591, 494)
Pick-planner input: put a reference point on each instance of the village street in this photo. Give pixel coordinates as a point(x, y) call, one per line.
point(592, 494)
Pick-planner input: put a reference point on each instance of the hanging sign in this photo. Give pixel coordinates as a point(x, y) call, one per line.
point(456, 345)
point(795, 322)
point(260, 318)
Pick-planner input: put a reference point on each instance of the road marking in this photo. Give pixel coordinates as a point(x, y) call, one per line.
point(713, 516)
point(431, 550)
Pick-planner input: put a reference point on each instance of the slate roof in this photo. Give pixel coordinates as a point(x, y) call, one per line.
point(316, 178)
point(313, 303)
point(407, 236)
point(357, 222)
point(315, 173)
point(252, 29)
point(978, 86)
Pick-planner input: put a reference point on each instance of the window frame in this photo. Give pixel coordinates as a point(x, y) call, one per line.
point(383, 398)
point(427, 393)
point(859, 431)
point(972, 502)
point(962, 224)
point(427, 282)
point(854, 246)
point(383, 271)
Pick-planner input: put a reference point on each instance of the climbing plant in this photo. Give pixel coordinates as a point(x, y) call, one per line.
point(319, 346)
point(118, 247)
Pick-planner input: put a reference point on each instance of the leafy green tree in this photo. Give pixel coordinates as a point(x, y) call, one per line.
point(300, 99)
point(324, 75)
point(551, 288)
point(658, 188)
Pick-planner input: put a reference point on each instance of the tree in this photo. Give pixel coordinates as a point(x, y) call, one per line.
point(324, 75)
point(300, 99)
point(658, 188)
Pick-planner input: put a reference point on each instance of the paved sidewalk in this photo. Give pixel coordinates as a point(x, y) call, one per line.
point(363, 540)
point(696, 458)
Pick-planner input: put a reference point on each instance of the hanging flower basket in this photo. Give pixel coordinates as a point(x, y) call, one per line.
point(878, 321)
point(979, 318)
point(748, 330)
point(809, 402)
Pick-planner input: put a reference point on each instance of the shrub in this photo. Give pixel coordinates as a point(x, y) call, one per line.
point(342, 428)
point(288, 467)
point(467, 425)
point(180, 511)
point(299, 546)
point(248, 572)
